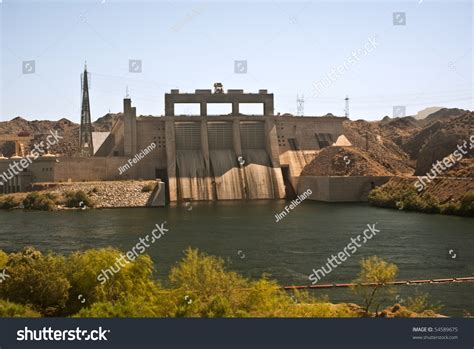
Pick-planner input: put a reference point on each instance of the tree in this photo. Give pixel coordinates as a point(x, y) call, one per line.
point(378, 273)
point(38, 280)
point(133, 279)
point(205, 279)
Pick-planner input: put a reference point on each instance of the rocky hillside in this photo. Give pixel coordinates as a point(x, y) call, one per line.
point(344, 161)
point(40, 129)
point(446, 136)
point(378, 140)
point(406, 146)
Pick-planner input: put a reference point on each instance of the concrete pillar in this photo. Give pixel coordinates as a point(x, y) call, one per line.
point(203, 109)
point(171, 159)
point(205, 142)
point(236, 137)
point(134, 131)
point(127, 128)
point(205, 154)
point(235, 108)
point(169, 107)
point(271, 144)
point(268, 108)
point(238, 152)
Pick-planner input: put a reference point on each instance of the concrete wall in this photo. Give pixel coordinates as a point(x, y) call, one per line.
point(114, 144)
point(204, 97)
point(95, 169)
point(130, 128)
point(340, 189)
point(303, 130)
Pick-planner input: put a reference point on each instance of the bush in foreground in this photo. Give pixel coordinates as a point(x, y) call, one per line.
point(9, 309)
point(377, 271)
point(198, 286)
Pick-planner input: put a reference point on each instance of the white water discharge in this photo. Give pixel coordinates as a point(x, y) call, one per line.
point(227, 176)
point(258, 174)
point(193, 176)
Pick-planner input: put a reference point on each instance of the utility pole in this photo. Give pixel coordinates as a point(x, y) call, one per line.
point(299, 105)
point(346, 109)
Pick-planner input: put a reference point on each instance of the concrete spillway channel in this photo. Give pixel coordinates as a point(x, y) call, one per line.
point(212, 165)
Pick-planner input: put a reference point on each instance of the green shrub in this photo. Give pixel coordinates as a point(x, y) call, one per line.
point(450, 208)
point(199, 286)
point(133, 279)
point(3, 259)
point(77, 199)
point(467, 204)
point(420, 303)
point(9, 309)
point(148, 187)
point(37, 201)
point(37, 280)
point(404, 198)
point(8, 202)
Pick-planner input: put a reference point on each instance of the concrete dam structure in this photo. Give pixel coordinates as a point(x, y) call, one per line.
point(202, 157)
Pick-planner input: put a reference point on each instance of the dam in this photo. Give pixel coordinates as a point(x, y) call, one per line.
point(200, 157)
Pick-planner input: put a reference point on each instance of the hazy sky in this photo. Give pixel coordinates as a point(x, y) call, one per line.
point(289, 47)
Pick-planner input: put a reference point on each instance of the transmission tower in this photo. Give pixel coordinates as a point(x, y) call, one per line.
point(299, 105)
point(85, 134)
point(346, 109)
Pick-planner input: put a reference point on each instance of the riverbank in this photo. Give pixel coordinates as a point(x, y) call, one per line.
point(83, 195)
point(446, 195)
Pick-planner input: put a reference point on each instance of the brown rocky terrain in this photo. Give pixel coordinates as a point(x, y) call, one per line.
point(344, 161)
point(40, 129)
point(407, 146)
point(108, 194)
point(444, 189)
point(444, 140)
point(379, 141)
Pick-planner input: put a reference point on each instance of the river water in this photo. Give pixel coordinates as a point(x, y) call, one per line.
point(246, 235)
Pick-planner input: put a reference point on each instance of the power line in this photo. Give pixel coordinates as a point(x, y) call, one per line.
point(300, 105)
point(346, 109)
